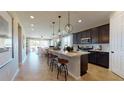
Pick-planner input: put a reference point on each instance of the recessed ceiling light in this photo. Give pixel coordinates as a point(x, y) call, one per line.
point(32, 25)
point(32, 17)
point(79, 21)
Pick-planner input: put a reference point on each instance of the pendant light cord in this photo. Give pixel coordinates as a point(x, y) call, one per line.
point(68, 17)
point(53, 27)
point(68, 26)
point(59, 22)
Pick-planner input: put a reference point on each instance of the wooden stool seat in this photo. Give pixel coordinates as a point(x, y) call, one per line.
point(62, 67)
point(63, 61)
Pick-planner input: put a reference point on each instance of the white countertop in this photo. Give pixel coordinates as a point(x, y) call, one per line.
point(99, 50)
point(69, 54)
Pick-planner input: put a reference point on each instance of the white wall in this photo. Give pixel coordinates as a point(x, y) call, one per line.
point(23, 46)
point(9, 71)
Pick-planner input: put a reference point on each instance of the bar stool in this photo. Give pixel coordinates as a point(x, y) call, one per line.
point(47, 55)
point(49, 58)
point(62, 66)
point(53, 61)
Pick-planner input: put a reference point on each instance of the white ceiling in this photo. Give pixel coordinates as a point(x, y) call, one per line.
point(43, 21)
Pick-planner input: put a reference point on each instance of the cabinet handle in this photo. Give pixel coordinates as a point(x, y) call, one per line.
point(112, 51)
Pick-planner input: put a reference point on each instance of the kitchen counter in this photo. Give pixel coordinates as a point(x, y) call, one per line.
point(69, 54)
point(97, 51)
point(77, 65)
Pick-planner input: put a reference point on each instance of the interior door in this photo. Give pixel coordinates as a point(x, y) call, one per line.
point(121, 51)
point(117, 43)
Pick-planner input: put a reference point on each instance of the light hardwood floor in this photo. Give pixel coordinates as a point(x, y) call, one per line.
point(36, 69)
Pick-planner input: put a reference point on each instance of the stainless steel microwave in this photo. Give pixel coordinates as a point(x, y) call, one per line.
point(85, 40)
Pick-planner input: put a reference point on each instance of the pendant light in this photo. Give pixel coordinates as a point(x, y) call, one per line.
point(59, 31)
point(68, 26)
point(53, 28)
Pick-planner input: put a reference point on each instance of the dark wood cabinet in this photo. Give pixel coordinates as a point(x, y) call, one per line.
point(85, 35)
point(94, 35)
point(75, 38)
point(79, 37)
point(92, 58)
point(103, 34)
point(99, 58)
point(88, 33)
point(83, 64)
point(103, 59)
point(97, 35)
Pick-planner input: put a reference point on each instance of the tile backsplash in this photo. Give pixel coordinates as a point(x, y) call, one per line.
point(105, 47)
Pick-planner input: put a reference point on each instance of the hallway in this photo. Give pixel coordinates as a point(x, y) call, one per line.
point(36, 69)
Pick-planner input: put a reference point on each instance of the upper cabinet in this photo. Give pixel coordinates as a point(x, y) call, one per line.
point(79, 36)
point(92, 36)
point(75, 38)
point(104, 34)
point(86, 37)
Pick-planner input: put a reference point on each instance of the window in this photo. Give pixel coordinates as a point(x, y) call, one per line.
point(5, 42)
point(67, 41)
point(44, 43)
point(39, 43)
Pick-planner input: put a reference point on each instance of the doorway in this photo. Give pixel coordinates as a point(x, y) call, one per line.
point(19, 43)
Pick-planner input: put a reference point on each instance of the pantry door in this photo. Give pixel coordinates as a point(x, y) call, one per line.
point(117, 43)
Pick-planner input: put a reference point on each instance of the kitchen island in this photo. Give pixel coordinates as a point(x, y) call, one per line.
point(78, 61)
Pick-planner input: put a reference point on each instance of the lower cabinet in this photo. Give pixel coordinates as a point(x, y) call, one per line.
point(92, 58)
point(99, 58)
point(84, 64)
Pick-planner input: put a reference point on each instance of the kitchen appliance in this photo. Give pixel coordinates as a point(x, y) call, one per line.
point(86, 48)
point(85, 40)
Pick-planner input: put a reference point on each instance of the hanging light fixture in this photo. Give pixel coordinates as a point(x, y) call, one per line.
point(59, 31)
point(41, 37)
point(68, 26)
point(53, 28)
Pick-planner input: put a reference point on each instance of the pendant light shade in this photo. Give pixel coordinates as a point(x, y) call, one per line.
point(68, 26)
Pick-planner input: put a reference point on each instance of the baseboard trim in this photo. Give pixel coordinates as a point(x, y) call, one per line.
point(75, 77)
point(15, 74)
